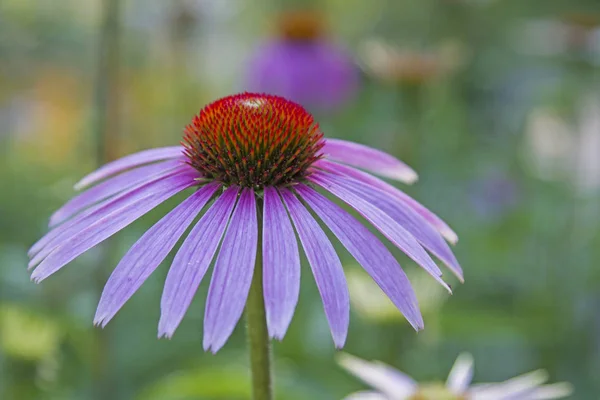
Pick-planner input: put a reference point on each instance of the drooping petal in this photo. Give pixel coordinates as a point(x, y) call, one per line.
point(384, 223)
point(529, 386)
point(108, 188)
point(130, 161)
point(374, 257)
point(326, 268)
point(62, 233)
point(281, 265)
point(369, 179)
point(376, 161)
point(232, 275)
point(389, 381)
point(461, 374)
point(192, 261)
point(147, 253)
point(106, 227)
point(512, 389)
point(549, 392)
point(400, 213)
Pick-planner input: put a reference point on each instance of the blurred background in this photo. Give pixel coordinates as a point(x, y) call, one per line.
point(496, 103)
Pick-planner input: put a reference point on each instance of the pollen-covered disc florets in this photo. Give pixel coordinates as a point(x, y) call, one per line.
point(253, 140)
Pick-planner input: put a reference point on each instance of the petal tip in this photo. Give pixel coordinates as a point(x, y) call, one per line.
point(79, 185)
point(36, 277)
point(409, 177)
point(162, 334)
point(449, 235)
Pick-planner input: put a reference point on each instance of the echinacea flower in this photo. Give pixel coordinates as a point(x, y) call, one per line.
point(255, 163)
point(301, 64)
point(391, 384)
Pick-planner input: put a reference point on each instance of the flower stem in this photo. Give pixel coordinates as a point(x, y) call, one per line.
point(106, 106)
point(258, 336)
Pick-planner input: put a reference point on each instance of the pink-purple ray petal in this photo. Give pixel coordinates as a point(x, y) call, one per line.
point(326, 268)
point(148, 252)
point(192, 262)
point(364, 246)
point(107, 226)
point(384, 223)
point(130, 161)
point(368, 158)
point(281, 265)
point(232, 275)
point(369, 179)
point(60, 234)
point(402, 214)
point(111, 187)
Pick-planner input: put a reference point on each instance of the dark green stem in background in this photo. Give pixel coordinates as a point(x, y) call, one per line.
point(412, 96)
point(106, 83)
point(104, 127)
point(258, 336)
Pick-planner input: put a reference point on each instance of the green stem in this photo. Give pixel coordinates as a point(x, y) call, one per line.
point(105, 122)
point(258, 336)
point(106, 82)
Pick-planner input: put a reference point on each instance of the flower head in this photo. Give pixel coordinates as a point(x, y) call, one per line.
point(253, 141)
point(247, 157)
point(303, 65)
point(391, 384)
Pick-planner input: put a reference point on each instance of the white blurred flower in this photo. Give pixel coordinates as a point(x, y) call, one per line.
point(391, 384)
point(548, 143)
point(560, 36)
point(559, 150)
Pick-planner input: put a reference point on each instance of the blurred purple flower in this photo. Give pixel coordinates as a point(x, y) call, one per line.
point(304, 66)
point(240, 154)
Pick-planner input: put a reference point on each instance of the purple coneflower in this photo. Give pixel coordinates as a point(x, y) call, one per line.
point(391, 384)
point(301, 64)
point(255, 163)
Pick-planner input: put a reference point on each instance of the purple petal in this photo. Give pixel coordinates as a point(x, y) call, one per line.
point(60, 234)
point(326, 268)
point(130, 161)
point(401, 213)
point(383, 222)
point(106, 227)
point(433, 219)
point(364, 246)
point(281, 265)
point(232, 275)
point(110, 187)
point(147, 253)
point(192, 261)
point(365, 157)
